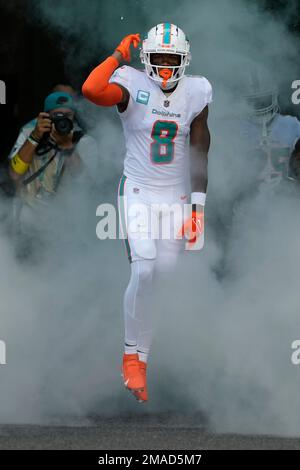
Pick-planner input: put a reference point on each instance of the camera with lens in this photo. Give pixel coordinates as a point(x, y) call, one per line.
point(62, 123)
point(63, 126)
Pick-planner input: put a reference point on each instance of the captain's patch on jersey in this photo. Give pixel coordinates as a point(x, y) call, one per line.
point(142, 97)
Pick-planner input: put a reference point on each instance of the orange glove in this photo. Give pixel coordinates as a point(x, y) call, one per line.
point(193, 230)
point(97, 88)
point(124, 46)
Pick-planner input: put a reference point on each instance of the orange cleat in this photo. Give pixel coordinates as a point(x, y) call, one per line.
point(142, 396)
point(132, 375)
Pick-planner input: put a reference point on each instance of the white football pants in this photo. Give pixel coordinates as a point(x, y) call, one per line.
point(150, 219)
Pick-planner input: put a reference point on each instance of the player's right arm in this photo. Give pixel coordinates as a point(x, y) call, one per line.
point(97, 88)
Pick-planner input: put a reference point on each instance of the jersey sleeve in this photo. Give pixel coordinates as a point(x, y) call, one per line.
point(201, 95)
point(208, 91)
point(288, 130)
point(124, 76)
point(121, 76)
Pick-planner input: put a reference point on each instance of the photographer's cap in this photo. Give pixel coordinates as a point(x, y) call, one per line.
point(58, 99)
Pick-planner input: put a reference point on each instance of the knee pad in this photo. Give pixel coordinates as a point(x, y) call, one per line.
point(165, 264)
point(143, 249)
point(167, 254)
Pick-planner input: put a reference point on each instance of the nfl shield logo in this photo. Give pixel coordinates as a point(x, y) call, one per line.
point(166, 103)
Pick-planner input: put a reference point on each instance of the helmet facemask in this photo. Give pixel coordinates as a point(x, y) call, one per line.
point(165, 38)
point(153, 70)
point(264, 105)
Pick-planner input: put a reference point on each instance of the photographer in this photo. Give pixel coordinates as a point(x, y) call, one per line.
point(47, 148)
point(44, 147)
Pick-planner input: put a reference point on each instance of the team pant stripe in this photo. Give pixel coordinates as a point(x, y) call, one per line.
point(122, 216)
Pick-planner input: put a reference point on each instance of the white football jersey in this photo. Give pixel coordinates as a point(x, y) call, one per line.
point(284, 130)
point(283, 134)
point(157, 126)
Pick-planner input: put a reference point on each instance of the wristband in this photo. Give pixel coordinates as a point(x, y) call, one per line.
point(32, 141)
point(36, 139)
point(18, 165)
point(198, 198)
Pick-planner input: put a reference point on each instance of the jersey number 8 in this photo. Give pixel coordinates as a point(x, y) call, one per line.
point(162, 147)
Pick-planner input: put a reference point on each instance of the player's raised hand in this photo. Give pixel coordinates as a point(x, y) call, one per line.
point(124, 46)
point(193, 230)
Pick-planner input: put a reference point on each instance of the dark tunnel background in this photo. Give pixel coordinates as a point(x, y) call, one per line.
point(32, 59)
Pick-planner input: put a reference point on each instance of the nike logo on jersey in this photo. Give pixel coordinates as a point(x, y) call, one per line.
point(165, 113)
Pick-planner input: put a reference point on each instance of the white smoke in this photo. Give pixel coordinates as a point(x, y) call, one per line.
point(223, 345)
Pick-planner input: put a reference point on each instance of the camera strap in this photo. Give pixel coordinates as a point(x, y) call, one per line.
point(42, 149)
point(40, 170)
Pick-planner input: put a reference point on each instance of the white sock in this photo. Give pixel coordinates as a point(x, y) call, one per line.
point(143, 355)
point(130, 348)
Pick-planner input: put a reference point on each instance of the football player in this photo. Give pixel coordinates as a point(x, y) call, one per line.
point(263, 151)
point(162, 111)
point(274, 137)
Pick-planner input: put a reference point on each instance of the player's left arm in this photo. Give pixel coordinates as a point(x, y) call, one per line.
point(193, 227)
point(199, 147)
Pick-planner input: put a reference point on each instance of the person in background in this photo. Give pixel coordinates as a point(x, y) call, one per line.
point(47, 147)
point(43, 142)
point(64, 88)
point(270, 137)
